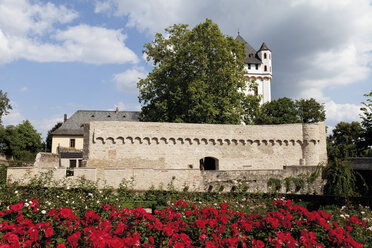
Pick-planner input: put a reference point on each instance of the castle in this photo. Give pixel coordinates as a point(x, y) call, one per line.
point(258, 67)
point(110, 146)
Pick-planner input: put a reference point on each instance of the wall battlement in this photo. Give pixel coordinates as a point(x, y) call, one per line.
point(183, 146)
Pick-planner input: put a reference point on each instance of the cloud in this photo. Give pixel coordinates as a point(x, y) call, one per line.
point(127, 80)
point(14, 117)
point(44, 125)
point(23, 89)
point(127, 107)
point(38, 33)
point(316, 44)
point(336, 113)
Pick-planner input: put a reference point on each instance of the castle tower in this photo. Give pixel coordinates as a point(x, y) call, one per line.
point(258, 68)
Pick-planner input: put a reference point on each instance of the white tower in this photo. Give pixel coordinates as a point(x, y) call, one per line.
point(259, 69)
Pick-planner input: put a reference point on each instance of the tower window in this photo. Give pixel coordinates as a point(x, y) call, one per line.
point(265, 57)
point(249, 66)
point(269, 56)
point(265, 68)
point(72, 143)
point(256, 67)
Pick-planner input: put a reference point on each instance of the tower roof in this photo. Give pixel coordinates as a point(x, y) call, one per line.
point(264, 47)
point(252, 57)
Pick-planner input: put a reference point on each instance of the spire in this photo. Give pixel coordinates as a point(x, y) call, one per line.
point(264, 47)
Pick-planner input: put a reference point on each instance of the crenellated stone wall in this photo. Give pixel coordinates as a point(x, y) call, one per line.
point(182, 146)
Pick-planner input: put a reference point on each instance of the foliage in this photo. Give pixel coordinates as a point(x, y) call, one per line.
point(22, 142)
point(345, 141)
point(48, 140)
point(310, 111)
point(367, 120)
point(4, 104)
point(298, 183)
point(341, 179)
point(274, 184)
point(286, 111)
point(197, 76)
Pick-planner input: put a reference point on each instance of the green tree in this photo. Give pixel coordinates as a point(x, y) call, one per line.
point(367, 120)
point(48, 140)
point(341, 179)
point(345, 141)
point(197, 76)
point(22, 142)
point(280, 111)
point(310, 111)
point(4, 104)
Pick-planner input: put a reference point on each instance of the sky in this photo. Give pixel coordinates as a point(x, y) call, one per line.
point(57, 57)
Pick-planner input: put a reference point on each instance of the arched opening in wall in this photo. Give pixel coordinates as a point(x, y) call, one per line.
point(208, 163)
point(265, 56)
point(265, 68)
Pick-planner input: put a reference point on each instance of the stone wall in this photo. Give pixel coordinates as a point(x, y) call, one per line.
point(134, 145)
point(46, 160)
point(142, 179)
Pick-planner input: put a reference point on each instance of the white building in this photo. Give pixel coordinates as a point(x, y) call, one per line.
point(258, 68)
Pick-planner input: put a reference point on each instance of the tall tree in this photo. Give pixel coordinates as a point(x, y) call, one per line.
point(197, 76)
point(367, 120)
point(345, 141)
point(280, 111)
point(310, 111)
point(4, 104)
point(48, 140)
point(21, 141)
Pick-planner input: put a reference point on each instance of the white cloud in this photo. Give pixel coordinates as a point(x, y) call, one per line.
point(34, 23)
point(44, 125)
point(316, 44)
point(127, 80)
point(127, 107)
point(23, 89)
point(14, 117)
point(341, 112)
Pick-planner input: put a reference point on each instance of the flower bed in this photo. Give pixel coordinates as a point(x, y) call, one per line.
point(178, 225)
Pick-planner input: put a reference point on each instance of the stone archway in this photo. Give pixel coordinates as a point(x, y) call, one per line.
point(208, 163)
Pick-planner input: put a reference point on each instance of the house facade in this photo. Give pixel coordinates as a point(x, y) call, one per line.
point(68, 139)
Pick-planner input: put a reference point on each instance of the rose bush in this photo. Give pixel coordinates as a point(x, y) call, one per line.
point(181, 224)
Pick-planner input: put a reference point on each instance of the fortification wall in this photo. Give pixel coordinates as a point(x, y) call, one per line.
point(134, 145)
point(142, 179)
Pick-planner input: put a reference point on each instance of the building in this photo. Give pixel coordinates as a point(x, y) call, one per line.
point(259, 69)
point(67, 140)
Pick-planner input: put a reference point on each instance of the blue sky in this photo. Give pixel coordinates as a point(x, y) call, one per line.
point(58, 57)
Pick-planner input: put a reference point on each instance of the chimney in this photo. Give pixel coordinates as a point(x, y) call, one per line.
point(116, 110)
point(65, 118)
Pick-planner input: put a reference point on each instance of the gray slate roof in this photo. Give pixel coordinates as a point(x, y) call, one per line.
point(250, 50)
point(264, 47)
point(73, 125)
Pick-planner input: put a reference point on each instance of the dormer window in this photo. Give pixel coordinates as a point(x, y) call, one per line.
point(251, 55)
point(92, 116)
point(108, 116)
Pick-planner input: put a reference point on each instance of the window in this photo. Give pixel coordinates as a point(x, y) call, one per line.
point(80, 163)
point(269, 56)
point(251, 55)
point(72, 163)
point(256, 67)
point(72, 143)
point(265, 68)
point(265, 57)
point(249, 66)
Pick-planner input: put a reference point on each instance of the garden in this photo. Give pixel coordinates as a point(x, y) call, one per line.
point(83, 215)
